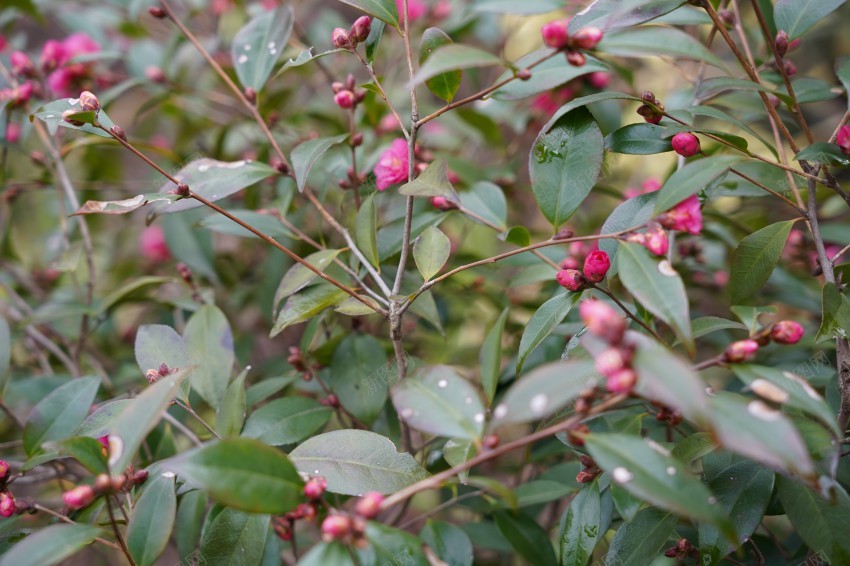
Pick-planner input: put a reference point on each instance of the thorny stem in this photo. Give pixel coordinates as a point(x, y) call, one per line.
point(437, 480)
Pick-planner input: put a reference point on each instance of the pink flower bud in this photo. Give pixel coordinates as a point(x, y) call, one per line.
point(685, 144)
point(369, 505)
point(78, 497)
point(599, 79)
point(786, 332)
point(576, 58)
point(89, 102)
point(336, 527)
point(571, 279)
point(555, 34)
point(622, 381)
point(315, 487)
point(21, 64)
point(361, 28)
point(13, 132)
point(7, 504)
point(155, 74)
point(53, 55)
point(781, 43)
point(596, 265)
point(656, 239)
point(140, 477)
point(5, 471)
point(741, 351)
point(443, 203)
point(602, 320)
point(344, 99)
point(340, 38)
point(842, 139)
point(610, 362)
point(684, 217)
point(790, 68)
point(587, 38)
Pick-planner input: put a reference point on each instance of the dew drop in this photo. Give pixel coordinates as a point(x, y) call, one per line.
point(671, 471)
point(538, 403)
point(622, 475)
point(479, 417)
point(247, 47)
point(272, 44)
point(168, 474)
point(272, 51)
point(242, 59)
point(501, 411)
point(712, 499)
point(50, 116)
point(442, 384)
point(760, 410)
point(203, 168)
point(315, 471)
point(407, 413)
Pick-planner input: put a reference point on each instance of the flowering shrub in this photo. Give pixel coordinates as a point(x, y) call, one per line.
point(424, 282)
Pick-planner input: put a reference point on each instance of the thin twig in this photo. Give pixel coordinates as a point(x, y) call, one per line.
point(628, 313)
point(198, 418)
point(182, 428)
point(117, 532)
point(65, 519)
point(381, 91)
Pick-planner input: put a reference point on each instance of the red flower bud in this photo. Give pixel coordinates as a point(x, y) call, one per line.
point(555, 34)
point(89, 102)
point(602, 320)
point(596, 265)
point(357, 139)
point(741, 351)
point(622, 381)
point(790, 68)
point(7, 504)
point(361, 28)
point(78, 497)
point(443, 203)
point(685, 144)
point(571, 279)
point(842, 139)
point(491, 441)
point(587, 38)
point(157, 12)
point(576, 58)
point(336, 527)
point(585, 476)
point(587, 461)
point(5, 471)
point(599, 79)
point(780, 43)
point(786, 332)
point(524, 74)
point(140, 477)
point(344, 99)
point(369, 505)
point(155, 74)
point(656, 239)
point(340, 39)
point(315, 487)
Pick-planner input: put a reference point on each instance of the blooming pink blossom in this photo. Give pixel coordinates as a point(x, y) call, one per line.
point(684, 217)
point(842, 139)
point(152, 244)
point(392, 165)
point(53, 55)
point(415, 8)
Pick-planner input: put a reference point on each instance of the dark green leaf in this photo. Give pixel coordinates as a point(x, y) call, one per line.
point(517, 235)
point(308, 153)
point(305, 305)
point(432, 182)
point(242, 473)
point(190, 518)
point(449, 542)
point(209, 342)
point(453, 57)
point(357, 461)
point(382, 9)
point(638, 139)
point(641, 540)
point(527, 538)
point(50, 545)
point(820, 523)
point(487, 200)
point(693, 446)
point(214, 180)
point(257, 46)
point(287, 421)
point(391, 546)
point(692, 178)
point(231, 411)
point(656, 40)
point(265, 223)
point(836, 314)
point(627, 505)
point(842, 70)
point(57, 416)
point(431, 252)
point(824, 153)
point(706, 325)
point(582, 526)
point(754, 259)
point(152, 520)
point(490, 357)
point(543, 322)
point(234, 538)
point(360, 376)
point(796, 17)
point(536, 492)
point(299, 276)
point(366, 230)
point(614, 14)
point(327, 553)
point(85, 450)
point(457, 452)
point(307, 56)
point(629, 214)
point(564, 164)
point(374, 39)
point(444, 85)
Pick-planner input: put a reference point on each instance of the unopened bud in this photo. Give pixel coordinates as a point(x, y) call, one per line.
point(587, 38)
point(727, 17)
point(571, 279)
point(344, 99)
point(5, 471)
point(601, 319)
point(741, 351)
point(182, 190)
point(361, 28)
point(596, 266)
point(555, 34)
point(786, 332)
point(336, 527)
point(140, 477)
point(118, 132)
point(576, 58)
point(89, 102)
point(340, 39)
point(790, 68)
point(22, 65)
point(357, 139)
point(78, 497)
point(443, 203)
point(780, 43)
point(685, 144)
point(491, 441)
point(157, 12)
point(523, 74)
point(315, 487)
point(369, 505)
point(250, 95)
point(7, 504)
point(587, 461)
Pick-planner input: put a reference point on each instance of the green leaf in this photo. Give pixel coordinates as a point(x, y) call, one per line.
point(157, 344)
point(706, 325)
point(545, 390)
point(366, 231)
point(550, 74)
point(582, 526)
point(231, 410)
point(693, 446)
point(842, 71)
point(390, 236)
point(190, 518)
point(123, 206)
point(308, 153)
point(743, 489)
point(691, 179)
point(234, 538)
point(632, 213)
point(514, 7)
point(641, 540)
point(755, 430)
point(658, 287)
point(50, 545)
point(490, 357)
point(360, 376)
point(209, 342)
point(820, 523)
point(382, 9)
point(527, 538)
point(307, 56)
point(391, 546)
point(357, 461)
point(152, 520)
point(257, 47)
point(517, 235)
point(326, 553)
point(536, 492)
point(784, 387)
point(824, 153)
point(52, 115)
point(649, 472)
point(627, 505)
point(265, 223)
point(444, 85)
point(374, 39)
point(85, 450)
point(242, 473)
point(656, 40)
point(543, 322)
point(440, 402)
point(449, 542)
point(214, 180)
point(57, 416)
point(614, 14)
point(140, 415)
point(432, 182)
point(305, 305)
point(564, 164)
point(453, 57)
point(796, 17)
point(287, 421)
point(836, 314)
point(5, 349)
point(299, 276)
point(134, 289)
point(638, 139)
point(754, 259)
point(431, 251)
point(749, 316)
point(487, 200)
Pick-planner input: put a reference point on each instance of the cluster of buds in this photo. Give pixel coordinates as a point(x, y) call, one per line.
point(350, 529)
point(348, 39)
point(353, 179)
point(783, 332)
point(654, 239)
point(8, 505)
point(615, 362)
point(682, 550)
point(154, 375)
point(667, 415)
point(596, 265)
point(685, 144)
point(589, 469)
point(653, 109)
point(345, 95)
point(20, 95)
point(284, 525)
point(556, 35)
point(82, 495)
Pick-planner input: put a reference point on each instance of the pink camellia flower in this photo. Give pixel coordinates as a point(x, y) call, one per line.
point(555, 34)
point(78, 497)
point(741, 351)
point(13, 132)
point(21, 64)
point(587, 38)
point(596, 265)
point(392, 165)
point(389, 124)
point(571, 279)
point(152, 244)
point(79, 44)
point(684, 217)
point(602, 320)
point(7, 504)
point(656, 239)
point(685, 144)
point(415, 9)
point(599, 79)
point(53, 55)
point(842, 139)
point(786, 332)
point(622, 381)
point(369, 505)
point(60, 81)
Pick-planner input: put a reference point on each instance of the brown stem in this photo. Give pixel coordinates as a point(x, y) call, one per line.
point(381, 91)
point(715, 361)
point(626, 311)
point(117, 531)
